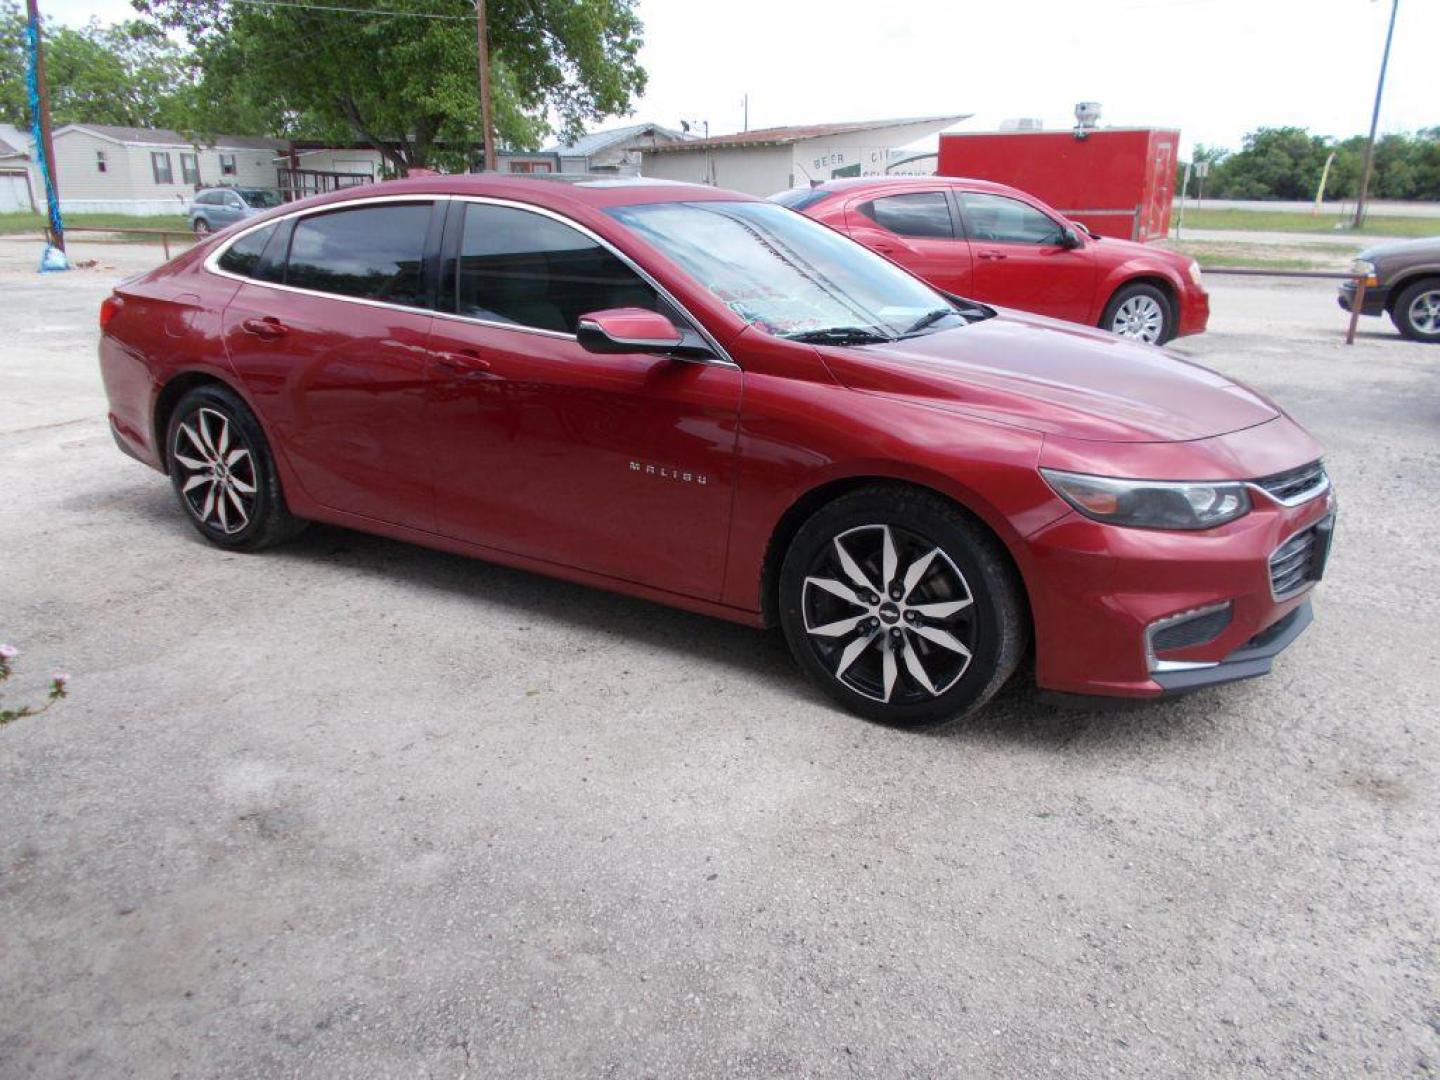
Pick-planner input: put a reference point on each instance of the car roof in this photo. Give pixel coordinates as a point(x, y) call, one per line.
point(863, 185)
point(555, 191)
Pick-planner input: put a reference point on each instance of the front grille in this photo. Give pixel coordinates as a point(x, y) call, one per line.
point(1297, 562)
point(1295, 486)
point(1197, 629)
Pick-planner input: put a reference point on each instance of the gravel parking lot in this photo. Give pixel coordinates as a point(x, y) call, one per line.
point(354, 808)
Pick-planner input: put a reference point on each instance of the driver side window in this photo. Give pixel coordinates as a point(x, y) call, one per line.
point(530, 270)
point(371, 252)
point(1003, 220)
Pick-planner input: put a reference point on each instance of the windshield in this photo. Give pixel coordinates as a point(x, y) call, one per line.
point(788, 275)
point(260, 198)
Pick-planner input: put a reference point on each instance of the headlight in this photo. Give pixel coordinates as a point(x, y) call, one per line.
point(1364, 268)
point(1194, 271)
point(1150, 504)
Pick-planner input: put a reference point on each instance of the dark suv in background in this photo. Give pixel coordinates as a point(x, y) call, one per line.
point(213, 209)
point(1403, 281)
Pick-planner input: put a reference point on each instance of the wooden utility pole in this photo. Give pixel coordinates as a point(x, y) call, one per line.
point(1375, 121)
point(482, 49)
point(47, 147)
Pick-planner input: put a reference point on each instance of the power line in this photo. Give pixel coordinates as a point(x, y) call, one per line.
point(353, 10)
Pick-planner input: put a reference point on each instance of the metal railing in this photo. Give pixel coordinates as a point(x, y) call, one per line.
point(1356, 305)
point(163, 234)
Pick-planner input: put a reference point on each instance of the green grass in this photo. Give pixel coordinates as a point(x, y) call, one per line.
point(1293, 221)
point(16, 224)
point(1265, 256)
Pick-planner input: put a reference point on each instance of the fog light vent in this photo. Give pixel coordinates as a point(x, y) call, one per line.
point(1184, 631)
point(1190, 629)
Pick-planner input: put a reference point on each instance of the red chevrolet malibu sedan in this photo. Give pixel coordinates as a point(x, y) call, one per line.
point(1000, 245)
point(710, 401)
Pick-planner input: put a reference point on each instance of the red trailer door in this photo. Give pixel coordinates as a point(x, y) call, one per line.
point(1159, 188)
point(1019, 262)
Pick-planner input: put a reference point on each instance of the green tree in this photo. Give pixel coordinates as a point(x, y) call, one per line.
point(404, 79)
point(126, 73)
point(1274, 163)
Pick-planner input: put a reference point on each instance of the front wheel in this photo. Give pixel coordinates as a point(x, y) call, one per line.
point(223, 473)
point(901, 607)
point(1416, 313)
point(1140, 313)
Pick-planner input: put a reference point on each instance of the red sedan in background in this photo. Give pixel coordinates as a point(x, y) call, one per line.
point(993, 243)
point(709, 401)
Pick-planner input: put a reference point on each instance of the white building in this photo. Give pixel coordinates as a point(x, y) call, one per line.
point(17, 186)
point(102, 168)
point(768, 160)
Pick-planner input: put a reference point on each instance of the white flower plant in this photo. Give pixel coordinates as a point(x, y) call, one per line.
point(58, 682)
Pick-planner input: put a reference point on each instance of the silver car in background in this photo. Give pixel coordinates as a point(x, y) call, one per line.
point(213, 209)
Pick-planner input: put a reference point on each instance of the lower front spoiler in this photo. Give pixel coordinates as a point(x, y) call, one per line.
point(1247, 662)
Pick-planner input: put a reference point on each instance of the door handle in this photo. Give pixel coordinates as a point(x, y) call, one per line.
point(269, 327)
point(885, 249)
point(992, 255)
point(462, 362)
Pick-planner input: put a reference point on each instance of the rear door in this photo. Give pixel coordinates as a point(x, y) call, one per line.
point(918, 230)
point(1020, 262)
point(329, 335)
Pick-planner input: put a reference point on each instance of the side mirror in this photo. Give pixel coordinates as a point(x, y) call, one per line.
point(1070, 239)
point(627, 330)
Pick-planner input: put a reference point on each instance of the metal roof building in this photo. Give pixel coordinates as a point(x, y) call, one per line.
point(767, 160)
point(615, 151)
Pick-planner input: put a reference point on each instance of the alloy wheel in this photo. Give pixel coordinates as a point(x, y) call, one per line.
point(1425, 312)
point(1140, 318)
point(218, 479)
point(889, 614)
point(202, 227)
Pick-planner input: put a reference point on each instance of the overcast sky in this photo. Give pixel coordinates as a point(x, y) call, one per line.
point(1213, 68)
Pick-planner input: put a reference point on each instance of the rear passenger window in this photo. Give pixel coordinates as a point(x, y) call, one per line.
point(371, 252)
point(243, 256)
point(920, 213)
point(531, 270)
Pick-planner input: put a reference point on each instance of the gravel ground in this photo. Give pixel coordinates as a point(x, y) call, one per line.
point(353, 808)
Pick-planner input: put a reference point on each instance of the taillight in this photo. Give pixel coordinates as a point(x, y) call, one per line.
point(108, 307)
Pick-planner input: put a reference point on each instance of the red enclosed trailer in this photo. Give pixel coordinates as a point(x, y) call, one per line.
point(1116, 181)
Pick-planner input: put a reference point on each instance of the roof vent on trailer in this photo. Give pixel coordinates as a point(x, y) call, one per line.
point(1087, 118)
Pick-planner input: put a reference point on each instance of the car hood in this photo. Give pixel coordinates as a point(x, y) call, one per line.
point(1427, 247)
point(1056, 378)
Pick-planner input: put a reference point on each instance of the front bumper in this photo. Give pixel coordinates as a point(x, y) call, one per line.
point(1099, 594)
point(1194, 311)
point(1247, 662)
point(1375, 298)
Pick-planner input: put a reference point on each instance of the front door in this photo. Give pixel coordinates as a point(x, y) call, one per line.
point(336, 360)
point(1019, 261)
point(917, 230)
point(621, 465)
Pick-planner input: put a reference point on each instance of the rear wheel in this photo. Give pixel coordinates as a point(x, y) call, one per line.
point(1139, 312)
point(223, 473)
point(1416, 313)
point(202, 228)
point(901, 607)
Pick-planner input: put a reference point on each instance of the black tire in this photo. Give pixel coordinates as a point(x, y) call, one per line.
point(993, 626)
point(1423, 293)
point(1140, 294)
point(215, 450)
point(202, 228)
